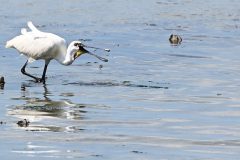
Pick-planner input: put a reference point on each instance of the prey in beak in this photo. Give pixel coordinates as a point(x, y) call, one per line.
point(82, 50)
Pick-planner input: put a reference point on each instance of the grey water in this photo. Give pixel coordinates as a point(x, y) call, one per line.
point(151, 101)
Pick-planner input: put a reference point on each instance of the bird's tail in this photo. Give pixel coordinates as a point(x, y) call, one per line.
point(9, 44)
point(32, 27)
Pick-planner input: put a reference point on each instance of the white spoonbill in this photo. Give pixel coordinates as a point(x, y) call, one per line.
point(37, 45)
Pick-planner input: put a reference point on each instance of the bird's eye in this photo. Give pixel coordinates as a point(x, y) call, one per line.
point(76, 44)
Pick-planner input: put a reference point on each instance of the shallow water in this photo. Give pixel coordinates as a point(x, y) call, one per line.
point(151, 100)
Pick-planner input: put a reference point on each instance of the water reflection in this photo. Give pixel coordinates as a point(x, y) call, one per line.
point(1, 86)
point(40, 109)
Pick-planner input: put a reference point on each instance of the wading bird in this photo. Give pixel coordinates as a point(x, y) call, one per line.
point(38, 45)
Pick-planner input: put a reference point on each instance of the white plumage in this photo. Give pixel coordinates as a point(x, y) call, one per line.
point(37, 45)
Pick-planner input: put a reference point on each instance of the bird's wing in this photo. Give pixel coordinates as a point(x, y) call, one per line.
point(37, 45)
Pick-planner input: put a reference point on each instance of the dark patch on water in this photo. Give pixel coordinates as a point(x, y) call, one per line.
point(167, 3)
point(85, 40)
point(150, 24)
point(52, 25)
point(41, 26)
point(137, 152)
point(116, 84)
point(186, 56)
point(2, 122)
point(34, 67)
point(97, 155)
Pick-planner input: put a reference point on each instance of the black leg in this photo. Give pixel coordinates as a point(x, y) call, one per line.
point(44, 72)
point(27, 74)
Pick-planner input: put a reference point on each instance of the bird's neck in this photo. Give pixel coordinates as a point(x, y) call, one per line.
point(65, 57)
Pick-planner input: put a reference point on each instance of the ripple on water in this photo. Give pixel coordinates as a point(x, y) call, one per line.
point(115, 84)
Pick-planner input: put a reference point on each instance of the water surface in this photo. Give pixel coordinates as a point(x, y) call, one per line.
point(151, 100)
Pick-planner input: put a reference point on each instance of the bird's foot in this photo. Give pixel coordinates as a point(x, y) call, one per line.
point(40, 80)
point(37, 80)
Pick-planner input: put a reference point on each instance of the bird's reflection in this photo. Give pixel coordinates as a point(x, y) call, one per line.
point(40, 108)
point(1, 86)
